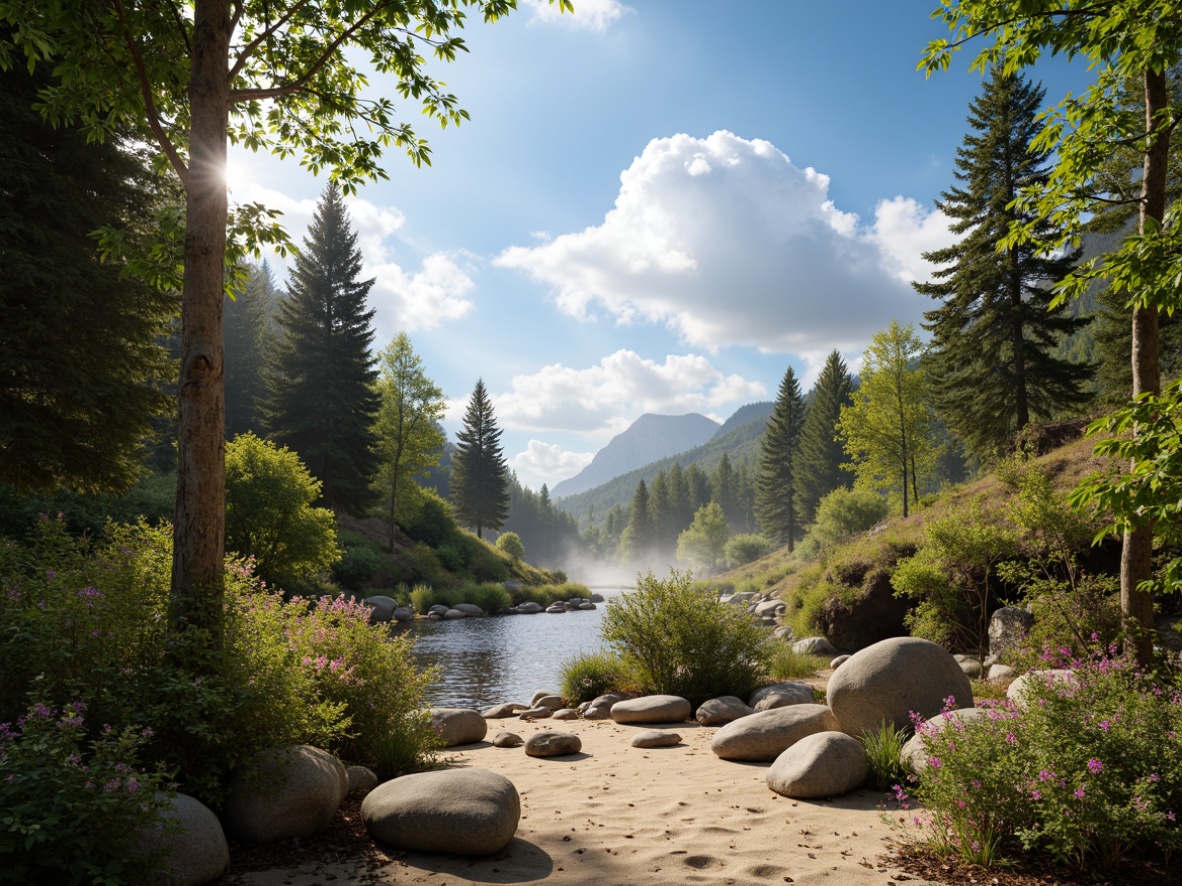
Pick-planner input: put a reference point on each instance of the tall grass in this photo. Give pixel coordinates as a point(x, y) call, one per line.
point(788, 664)
point(592, 674)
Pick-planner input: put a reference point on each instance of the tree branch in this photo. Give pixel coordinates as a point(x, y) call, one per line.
point(1087, 11)
point(264, 36)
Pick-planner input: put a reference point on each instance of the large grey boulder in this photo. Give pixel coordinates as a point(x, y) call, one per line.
point(553, 702)
point(718, 711)
point(503, 711)
point(781, 695)
point(763, 736)
point(463, 811)
point(470, 609)
point(404, 614)
point(458, 726)
point(770, 607)
point(814, 646)
point(913, 753)
point(362, 779)
point(506, 739)
point(545, 693)
point(892, 678)
point(190, 840)
point(295, 794)
point(825, 764)
point(652, 709)
point(1007, 631)
point(529, 607)
point(552, 744)
point(381, 608)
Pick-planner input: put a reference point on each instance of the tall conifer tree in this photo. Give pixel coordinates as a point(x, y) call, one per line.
point(775, 491)
point(322, 401)
point(479, 473)
point(820, 453)
point(992, 365)
point(636, 542)
point(248, 337)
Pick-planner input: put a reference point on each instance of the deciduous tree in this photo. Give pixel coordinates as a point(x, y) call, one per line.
point(703, 544)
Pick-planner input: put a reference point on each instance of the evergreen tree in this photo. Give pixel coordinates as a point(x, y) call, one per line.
point(775, 490)
point(679, 497)
point(664, 520)
point(724, 489)
point(820, 454)
point(248, 337)
point(992, 365)
point(81, 370)
point(636, 542)
point(480, 475)
point(322, 402)
point(697, 485)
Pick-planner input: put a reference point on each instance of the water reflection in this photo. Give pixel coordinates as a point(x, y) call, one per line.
point(487, 661)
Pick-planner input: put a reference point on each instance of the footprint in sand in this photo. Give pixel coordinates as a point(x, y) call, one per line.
point(766, 871)
point(702, 862)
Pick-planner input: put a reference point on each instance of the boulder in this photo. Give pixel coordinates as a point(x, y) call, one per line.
point(553, 744)
point(295, 794)
point(655, 738)
point(763, 736)
point(190, 840)
point(469, 609)
point(381, 608)
point(814, 646)
point(362, 779)
point(458, 726)
point(404, 614)
point(552, 701)
point(768, 621)
point(529, 607)
point(781, 695)
point(556, 608)
point(1019, 689)
point(892, 678)
point(434, 616)
point(783, 632)
point(1001, 672)
point(536, 714)
point(587, 606)
point(502, 711)
point(438, 608)
point(458, 811)
point(825, 764)
point(596, 598)
point(453, 614)
point(839, 661)
point(566, 714)
point(913, 753)
point(506, 739)
point(652, 709)
point(741, 598)
point(717, 711)
point(601, 708)
point(1007, 630)
point(770, 607)
point(972, 667)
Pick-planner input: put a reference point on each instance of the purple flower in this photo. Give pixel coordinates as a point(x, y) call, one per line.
point(1079, 793)
point(1036, 795)
point(112, 785)
point(132, 785)
point(1010, 739)
point(1095, 766)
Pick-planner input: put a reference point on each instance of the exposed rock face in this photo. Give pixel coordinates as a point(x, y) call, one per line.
point(195, 853)
point(814, 646)
point(652, 709)
point(296, 795)
point(825, 764)
point(873, 614)
point(465, 811)
point(781, 695)
point(1007, 631)
point(892, 678)
point(763, 736)
point(913, 753)
point(458, 726)
point(718, 711)
point(655, 738)
point(553, 744)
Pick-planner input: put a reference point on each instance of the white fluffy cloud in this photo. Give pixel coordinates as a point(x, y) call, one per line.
point(547, 463)
point(727, 242)
point(603, 399)
point(593, 15)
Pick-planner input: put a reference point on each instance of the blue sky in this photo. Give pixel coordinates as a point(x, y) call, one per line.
point(657, 209)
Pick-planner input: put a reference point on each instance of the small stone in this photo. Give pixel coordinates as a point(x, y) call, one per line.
point(506, 739)
point(655, 738)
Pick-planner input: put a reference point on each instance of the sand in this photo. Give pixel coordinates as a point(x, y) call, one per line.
point(616, 815)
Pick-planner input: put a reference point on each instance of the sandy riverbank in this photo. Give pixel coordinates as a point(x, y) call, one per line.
point(616, 815)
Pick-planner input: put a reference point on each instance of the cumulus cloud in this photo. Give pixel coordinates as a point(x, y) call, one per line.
point(602, 400)
point(727, 242)
point(592, 15)
point(547, 463)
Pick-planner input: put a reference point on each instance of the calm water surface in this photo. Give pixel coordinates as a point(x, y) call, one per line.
point(502, 658)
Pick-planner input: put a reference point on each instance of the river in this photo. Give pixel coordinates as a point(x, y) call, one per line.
point(503, 658)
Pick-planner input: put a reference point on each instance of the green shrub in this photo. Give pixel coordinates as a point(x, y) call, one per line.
point(547, 594)
point(788, 664)
point(1086, 772)
point(743, 549)
point(422, 598)
point(509, 543)
point(73, 808)
point(357, 565)
point(682, 641)
point(453, 556)
point(432, 521)
point(845, 512)
point(592, 674)
point(488, 596)
point(884, 748)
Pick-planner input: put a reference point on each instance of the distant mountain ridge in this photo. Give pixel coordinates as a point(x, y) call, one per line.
point(649, 438)
point(739, 438)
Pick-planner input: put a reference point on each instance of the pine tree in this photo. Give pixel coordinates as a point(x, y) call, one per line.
point(820, 453)
point(247, 332)
point(775, 491)
point(636, 542)
point(322, 401)
point(724, 489)
point(480, 475)
point(992, 363)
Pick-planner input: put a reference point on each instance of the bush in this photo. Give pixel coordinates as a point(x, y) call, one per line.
point(743, 549)
point(845, 512)
point(592, 674)
point(1087, 771)
point(682, 641)
point(547, 594)
point(884, 749)
point(509, 543)
point(357, 565)
point(788, 664)
point(269, 513)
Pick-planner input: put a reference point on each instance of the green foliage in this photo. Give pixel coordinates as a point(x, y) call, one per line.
point(745, 548)
point(592, 674)
point(1081, 773)
point(788, 664)
point(846, 512)
point(775, 489)
point(249, 336)
point(549, 593)
point(884, 748)
point(509, 543)
point(432, 521)
point(357, 564)
point(820, 451)
point(638, 537)
point(682, 641)
point(480, 474)
point(704, 542)
point(322, 402)
point(152, 499)
point(269, 513)
point(73, 809)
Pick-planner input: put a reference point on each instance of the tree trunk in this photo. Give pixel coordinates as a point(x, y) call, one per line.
point(199, 526)
point(1136, 560)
